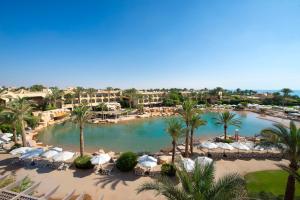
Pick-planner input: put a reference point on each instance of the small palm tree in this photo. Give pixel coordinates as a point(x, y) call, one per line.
point(78, 92)
point(131, 95)
point(286, 93)
point(188, 110)
point(227, 119)
point(56, 93)
point(199, 185)
point(12, 119)
point(290, 137)
point(196, 122)
point(91, 92)
point(21, 109)
point(80, 116)
point(175, 130)
point(109, 89)
point(290, 171)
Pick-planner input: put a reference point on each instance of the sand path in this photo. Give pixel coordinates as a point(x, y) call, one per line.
point(118, 186)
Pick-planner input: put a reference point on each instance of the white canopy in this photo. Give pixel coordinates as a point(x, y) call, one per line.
point(225, 146)
point(63, 156)
point(100, 159)
point(8, 134)
point(4, 138)
point(20, 150)
point(146, 158)
point(203, 160)
point(259, 148)
point(50, 153)
point(208, 145)
point(249, 144)
point(240, 146)
point(57, 149)
point(188, 164)
point(32, 154)
point(147, 161)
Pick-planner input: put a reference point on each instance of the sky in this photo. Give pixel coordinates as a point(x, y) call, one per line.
point(249, 44)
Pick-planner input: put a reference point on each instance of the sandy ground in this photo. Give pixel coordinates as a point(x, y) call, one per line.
point(285, 122)
point(117, 186)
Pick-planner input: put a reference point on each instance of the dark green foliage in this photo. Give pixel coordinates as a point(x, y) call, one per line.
point(168, 169)
point(33, 121)
point(83, 162)
point(6, 128)
point(173, 98)
point(127, 161)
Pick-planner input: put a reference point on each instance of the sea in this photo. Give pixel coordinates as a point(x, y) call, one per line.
point(295, 92)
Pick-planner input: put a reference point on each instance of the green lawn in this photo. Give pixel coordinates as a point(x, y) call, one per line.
point(268, 181)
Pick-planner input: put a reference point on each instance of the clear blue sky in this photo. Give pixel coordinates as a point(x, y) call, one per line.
point(151, 43)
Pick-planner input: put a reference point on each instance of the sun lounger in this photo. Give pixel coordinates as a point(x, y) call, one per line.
point(80, 197)
point(49, 193)
point(69, 195)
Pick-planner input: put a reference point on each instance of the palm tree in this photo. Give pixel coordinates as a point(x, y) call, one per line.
point(227, 119)
point(109, 89)
point(80, 116)
point(102, 106)
point(196, 122)
point(21, 109)
point(198, 185)
point(131, 94)
point(290, 137)
point(188, 110)
point(286, 93)
point(91, 92)
point(290, 171)
point(56, 93)
point(78, 92)
point(175, 130)
point(12, 119)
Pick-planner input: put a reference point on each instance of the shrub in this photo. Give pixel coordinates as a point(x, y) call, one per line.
point(127, 161)
point(168, 169)
point(227, 141)
point(5, 182)
point(24, 185)
point(83, 162)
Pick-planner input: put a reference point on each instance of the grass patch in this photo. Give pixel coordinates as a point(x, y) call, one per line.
point(25, 184)
point(273, 181)
point(5, 182)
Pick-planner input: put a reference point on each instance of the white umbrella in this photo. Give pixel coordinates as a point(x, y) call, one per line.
point(4, 138)
point(50, 153)
point(57, 149)
point(8, 134)
point(32, 154)
point(225, 146)
point(20, 150)
point(147, 161)
point(148, 164)
point(188, 164)
point(63, 156)
point(259, 148)
point(249, 144)
point(203, 160)
point(208, 145)
point(100, 159)
point(240, 146)
point(146, 158)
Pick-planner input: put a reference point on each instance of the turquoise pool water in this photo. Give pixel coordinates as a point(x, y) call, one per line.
point(139, 135)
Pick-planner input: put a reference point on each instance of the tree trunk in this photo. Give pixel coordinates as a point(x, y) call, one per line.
point(225, 132)
point(290, 185)
point(15, 135)
point(186, 153)
point(192, 142)
point(24, 143)
point(173, 151)
point(81, 140)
